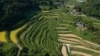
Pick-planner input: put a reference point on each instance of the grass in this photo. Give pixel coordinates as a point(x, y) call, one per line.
point(36, 31)
point(43, 38)
point(8, 49)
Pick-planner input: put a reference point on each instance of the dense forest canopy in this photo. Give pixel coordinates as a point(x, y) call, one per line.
point(14, 11)
point(90, 8)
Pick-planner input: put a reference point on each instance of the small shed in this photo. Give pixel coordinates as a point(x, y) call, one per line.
point(80, 24)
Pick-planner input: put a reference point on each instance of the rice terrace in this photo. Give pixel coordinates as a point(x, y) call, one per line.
point(49, 28)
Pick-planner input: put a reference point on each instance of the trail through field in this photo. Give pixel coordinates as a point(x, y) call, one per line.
point(64, 51)
point(20, 49)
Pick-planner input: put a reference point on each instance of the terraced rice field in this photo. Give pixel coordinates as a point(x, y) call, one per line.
point(37, 35)
point(79, 46)
point(12, 35)
point(45, 33)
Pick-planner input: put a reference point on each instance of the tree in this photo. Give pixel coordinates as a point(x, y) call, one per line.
point(90, 8)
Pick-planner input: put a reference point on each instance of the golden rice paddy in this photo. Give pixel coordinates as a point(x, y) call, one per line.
point(12, 35)
point(2, 37)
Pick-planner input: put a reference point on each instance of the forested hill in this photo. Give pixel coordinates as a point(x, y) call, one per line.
point(90, 8)
point(15, 11)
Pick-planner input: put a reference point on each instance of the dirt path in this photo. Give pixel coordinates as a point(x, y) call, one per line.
point(80, 53)
point(64, 51)
point(20, 49)
point(70, 39)
point(69, 35)
point(70, 42)
point(85, 48)
point(91, 43)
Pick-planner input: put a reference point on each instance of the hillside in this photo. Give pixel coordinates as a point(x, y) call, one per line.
point(47, 28)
